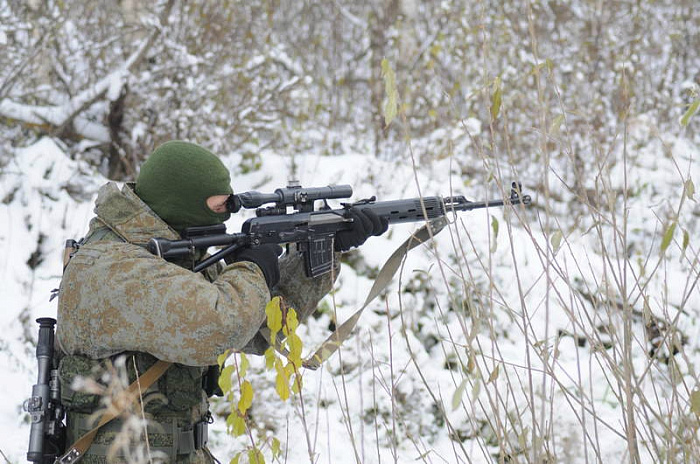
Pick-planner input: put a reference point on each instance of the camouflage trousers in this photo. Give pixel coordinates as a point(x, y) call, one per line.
point(124, 441)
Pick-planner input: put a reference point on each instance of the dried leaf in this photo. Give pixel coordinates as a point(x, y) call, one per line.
point(556, 240)
point(695, 402)
point(556, 125)
point(689, 189)
point(476, 389)
point(457, 397)
point(496, 97)
point(494, 229)
point(471, 363)
point(692, 109)
point(494, 374)
point(668, 236)
point(392, 96)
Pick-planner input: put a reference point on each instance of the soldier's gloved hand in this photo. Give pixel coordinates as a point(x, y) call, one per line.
point(365, 223)
point(265, 256)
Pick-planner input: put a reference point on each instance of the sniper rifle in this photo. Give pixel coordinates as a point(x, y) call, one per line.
point(313, 230)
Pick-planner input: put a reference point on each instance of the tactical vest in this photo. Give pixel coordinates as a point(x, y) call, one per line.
point(175, 407)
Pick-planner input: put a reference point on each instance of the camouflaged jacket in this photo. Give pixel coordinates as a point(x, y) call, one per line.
point(117, 297)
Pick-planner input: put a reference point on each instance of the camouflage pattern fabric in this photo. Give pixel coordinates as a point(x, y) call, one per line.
point(116, 297)
point(173, 404)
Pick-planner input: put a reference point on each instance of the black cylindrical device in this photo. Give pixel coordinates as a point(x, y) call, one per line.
point(289, 196)
point(40, 406)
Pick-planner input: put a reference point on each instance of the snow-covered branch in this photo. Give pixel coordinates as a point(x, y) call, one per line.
point(60, 117)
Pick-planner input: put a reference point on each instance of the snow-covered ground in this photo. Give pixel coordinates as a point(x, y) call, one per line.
point(483, 339)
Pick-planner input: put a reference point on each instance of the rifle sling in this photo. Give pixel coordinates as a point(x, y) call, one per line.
point(143, 382)
point(384, 278)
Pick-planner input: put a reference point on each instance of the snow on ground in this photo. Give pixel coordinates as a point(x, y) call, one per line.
point(370, 402)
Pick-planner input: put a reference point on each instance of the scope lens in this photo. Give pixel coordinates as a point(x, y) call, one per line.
point(233, 204)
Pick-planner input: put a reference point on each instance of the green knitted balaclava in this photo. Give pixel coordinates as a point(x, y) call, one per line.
point(176, 180)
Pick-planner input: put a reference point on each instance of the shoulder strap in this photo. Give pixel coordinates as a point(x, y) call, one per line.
point(143, 382)
point(384, 278)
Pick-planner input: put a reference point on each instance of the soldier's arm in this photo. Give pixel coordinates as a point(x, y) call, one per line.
point(298, 291)
point(117, 298)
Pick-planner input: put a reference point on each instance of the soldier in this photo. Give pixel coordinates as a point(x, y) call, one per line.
point(117, 299)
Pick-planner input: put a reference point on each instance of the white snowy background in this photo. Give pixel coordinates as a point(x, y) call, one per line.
point(40, 179)
point(549, 334)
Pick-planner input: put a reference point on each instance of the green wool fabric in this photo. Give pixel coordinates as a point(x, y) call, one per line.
point(176, 180)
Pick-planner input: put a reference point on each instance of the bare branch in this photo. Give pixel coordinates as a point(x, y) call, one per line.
point(60, 118)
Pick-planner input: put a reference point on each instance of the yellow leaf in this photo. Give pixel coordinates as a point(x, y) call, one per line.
point(270, 358)
point(282, 387)
point(243, 366)
point(255, 456)
point(276, 447)
point(295, 347)
point(292, 323)
point(230, 419)
point(297, 384)
point(289, 370)
point(225, 379)
point(221, 359)
point(274, 316)
point(281, 381)
point(235, 424)
point(238, 425)
point(692, 109)
point(246, 400)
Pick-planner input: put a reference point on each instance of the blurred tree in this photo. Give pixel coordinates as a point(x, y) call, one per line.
point(113, 79)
